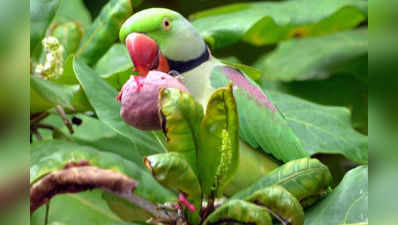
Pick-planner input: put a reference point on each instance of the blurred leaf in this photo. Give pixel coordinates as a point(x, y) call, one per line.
point(180, 117)
point(85, 208)
point(69, 36)
point(280, 203)
point(263, 23)
point(322, 129)
point(103, 99)
point(218, 152)
point(303, 178)
point(241, 212)
point(104, 31)
point(49, 156)
point(347, 204)
point(41, 14)
point(115, 66)
point(73, 11)
point(315, 57)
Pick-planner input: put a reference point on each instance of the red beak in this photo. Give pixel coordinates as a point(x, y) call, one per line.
point(145, 54)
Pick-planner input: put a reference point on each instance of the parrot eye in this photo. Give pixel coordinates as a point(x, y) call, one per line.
point(166, 24)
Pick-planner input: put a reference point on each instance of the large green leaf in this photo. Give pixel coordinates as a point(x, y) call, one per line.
point(347, 204)
point(262, 23)
point(97, 134)
point(218, 153)
point(303, 178)
point(316, 57)
point(49, 156)
point(41, 14)
point(102, 98)
point(85, 208)
point(180, 117)
point(115, 66)
point(240, 212)
point(47, 94)
point(104, 31)
point(348, 92)
point(280, 203)
point(322, 129)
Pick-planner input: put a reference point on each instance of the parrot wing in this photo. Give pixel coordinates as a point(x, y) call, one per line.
point(261, 124)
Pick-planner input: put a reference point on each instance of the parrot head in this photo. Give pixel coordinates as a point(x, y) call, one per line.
point(162, 39)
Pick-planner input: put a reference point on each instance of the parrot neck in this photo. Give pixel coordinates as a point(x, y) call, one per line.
point(185, 66)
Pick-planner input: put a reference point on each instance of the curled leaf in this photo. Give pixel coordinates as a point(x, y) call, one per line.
point(239, 212)
point(280, 203)
point(303, 178)
point(172, 170)
point(180, 116)
point(218, 155)
point(78, 178)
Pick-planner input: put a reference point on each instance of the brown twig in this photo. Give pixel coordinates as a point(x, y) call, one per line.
point(67, 122)
point(38, 117)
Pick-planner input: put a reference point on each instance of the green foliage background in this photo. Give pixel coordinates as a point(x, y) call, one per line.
point(310, 57)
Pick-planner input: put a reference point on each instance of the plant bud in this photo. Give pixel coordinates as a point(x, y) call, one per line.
point(140, 99)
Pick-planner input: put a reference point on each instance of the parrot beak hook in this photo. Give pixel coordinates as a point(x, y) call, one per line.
point(145, 54)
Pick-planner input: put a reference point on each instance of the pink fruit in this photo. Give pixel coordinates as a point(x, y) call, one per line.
point(139, 97)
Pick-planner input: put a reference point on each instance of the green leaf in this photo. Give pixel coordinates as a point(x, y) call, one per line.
point(303, 178)
point(172, 170)
point(347, 204)
point(240, 212)
point(315, 57)
point(125, 210)
point(322, 129)
point(69, 36)
point(49, 156)
point(73, 11)
point(102, 98)
point(41, 14)
point(348, 92)
point(85, 208)
point(263, 23)
point(52, 92)
point(218, 153)
point(180, 116)
point(280, 203)
point(104, 31)
point(115, 66)
point(97, 134)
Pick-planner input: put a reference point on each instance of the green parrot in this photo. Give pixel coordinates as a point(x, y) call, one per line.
point(162, 39)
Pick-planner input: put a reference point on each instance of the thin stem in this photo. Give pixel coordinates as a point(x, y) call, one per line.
point(38, 118)
point(47, 213)
point(67, 122)
point(159, 213)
